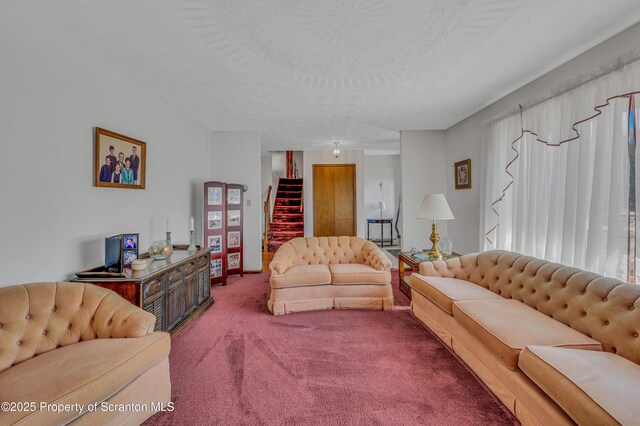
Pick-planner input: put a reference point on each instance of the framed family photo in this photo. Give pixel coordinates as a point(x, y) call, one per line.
point(120, 161)
point(462, 174)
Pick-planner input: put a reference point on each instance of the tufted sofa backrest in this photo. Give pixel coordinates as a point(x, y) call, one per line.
point(604, 309)
point(39, 317)
point(326, 250)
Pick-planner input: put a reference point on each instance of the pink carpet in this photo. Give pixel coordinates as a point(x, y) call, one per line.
point(237, 364)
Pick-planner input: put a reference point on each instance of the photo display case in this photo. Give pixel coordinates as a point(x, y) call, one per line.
point(215, 205)
point(223, 229)
point(234, 229)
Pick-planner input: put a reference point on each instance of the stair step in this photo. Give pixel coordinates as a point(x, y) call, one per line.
point(287, 216)
point(287, 223)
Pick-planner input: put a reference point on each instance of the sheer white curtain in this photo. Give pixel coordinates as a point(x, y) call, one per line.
point(559, 198)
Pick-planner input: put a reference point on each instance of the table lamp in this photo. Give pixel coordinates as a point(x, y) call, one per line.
point(434, 207)
point(381, 206)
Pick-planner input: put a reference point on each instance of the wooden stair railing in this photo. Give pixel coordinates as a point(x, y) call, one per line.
point(267, 222)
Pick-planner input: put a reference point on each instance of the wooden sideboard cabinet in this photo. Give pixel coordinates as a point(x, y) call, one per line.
point(175, 290)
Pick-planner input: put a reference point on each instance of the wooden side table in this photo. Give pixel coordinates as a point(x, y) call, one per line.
point(409, 259)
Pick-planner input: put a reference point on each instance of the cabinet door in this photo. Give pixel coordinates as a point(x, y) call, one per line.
point(204, 280)
point(190, 288)
point(152, 296)
point(174, 299)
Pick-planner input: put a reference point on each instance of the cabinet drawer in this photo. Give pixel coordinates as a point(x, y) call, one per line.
point(151, 288)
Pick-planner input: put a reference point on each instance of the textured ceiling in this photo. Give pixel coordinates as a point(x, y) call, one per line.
point(307, 72)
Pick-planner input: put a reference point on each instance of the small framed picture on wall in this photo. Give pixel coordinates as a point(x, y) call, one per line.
point(462, 171)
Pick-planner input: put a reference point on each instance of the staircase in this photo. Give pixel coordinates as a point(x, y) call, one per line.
point(288, 215)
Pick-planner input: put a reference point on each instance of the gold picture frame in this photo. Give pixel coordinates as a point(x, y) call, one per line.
point(120, 161)
point(462, 172)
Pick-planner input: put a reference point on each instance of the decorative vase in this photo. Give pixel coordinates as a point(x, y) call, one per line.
point(160, 250)
point(445, 246)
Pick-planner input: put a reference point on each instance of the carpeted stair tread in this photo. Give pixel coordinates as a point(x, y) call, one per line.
point(287, 221)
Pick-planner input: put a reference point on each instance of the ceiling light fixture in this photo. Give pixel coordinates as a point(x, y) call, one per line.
point(336, 149)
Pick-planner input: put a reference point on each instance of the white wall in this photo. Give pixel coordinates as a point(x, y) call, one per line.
point(236, 159)
point(298, 160)
point(385, 170)
point(53, 221)
point(468, 138)
point(326, 157)
point(422, 161)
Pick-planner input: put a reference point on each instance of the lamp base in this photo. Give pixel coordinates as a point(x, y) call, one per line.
point(435, 253)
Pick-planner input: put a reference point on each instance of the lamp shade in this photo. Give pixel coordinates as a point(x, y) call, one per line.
point(435, 207)
point(382, 205)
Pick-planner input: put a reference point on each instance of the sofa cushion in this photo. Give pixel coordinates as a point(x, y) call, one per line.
point(592, 387)
point(82, 373)
point(506, 326)
point(302, 276)
point(353, 273)
point(444, 291)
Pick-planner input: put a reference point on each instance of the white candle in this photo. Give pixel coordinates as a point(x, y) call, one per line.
point(191, 224)
point(168, 225)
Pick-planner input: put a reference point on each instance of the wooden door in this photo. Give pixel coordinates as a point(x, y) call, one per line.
point(334, 199)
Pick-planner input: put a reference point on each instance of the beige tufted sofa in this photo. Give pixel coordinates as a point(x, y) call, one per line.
point(329, 272)
point(72, 343)
point(556, 345)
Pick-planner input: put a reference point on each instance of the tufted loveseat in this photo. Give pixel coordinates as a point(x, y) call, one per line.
point(329, 272)
point(556, 345)
point(78, 344)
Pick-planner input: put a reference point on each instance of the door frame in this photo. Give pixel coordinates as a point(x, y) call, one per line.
point(355, 198)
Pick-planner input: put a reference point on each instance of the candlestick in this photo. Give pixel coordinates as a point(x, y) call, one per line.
point(168, 240)
point(192, 240)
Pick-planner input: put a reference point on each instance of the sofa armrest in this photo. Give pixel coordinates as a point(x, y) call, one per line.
point(377, 259)
point(450, 268)
point(282, 260)
point(117, 318)
point(278, 267)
